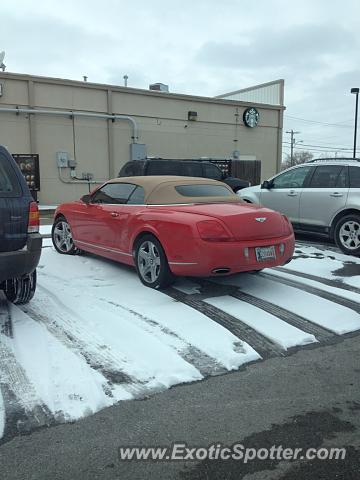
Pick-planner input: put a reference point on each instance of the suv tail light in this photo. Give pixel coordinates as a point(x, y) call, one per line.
point(213, 231)
point(34, 218)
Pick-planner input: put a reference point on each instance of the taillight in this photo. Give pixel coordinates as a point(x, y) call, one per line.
point(213, 231)
point(34, 218)
point(290, 228)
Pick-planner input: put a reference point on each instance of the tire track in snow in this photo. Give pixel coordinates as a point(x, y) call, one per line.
point(24, 410)
point(5, 319)
point(321, 333)
point(79, 340)
point(200, 360)
point(70, 328)
point(204, 363)
point(325, 281)
point(332, 297)
point(264, 347)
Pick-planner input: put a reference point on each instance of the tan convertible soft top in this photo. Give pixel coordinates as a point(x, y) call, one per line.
point(160, 189)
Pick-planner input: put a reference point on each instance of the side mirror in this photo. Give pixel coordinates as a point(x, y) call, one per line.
point(267, 184)
point(86, 199)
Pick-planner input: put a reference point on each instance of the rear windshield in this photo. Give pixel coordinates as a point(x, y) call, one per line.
point(9, 184)
point(161, 167)
point(202, 190)
point(191, 169)
point(132, 169)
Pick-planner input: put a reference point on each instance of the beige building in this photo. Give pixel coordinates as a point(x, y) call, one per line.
point(85, 128)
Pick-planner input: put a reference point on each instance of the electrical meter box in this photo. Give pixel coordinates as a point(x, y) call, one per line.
point(62, 159)
point(137, 151)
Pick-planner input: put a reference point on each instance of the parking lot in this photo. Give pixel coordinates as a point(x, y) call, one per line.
point(94, 335)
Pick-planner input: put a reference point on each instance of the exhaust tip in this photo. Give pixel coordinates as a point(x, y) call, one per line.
point(221, 271)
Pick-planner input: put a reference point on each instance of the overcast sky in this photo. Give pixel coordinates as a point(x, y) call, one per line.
point(204, 48)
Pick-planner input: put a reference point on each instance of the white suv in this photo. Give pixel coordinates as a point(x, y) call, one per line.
point(320, 196)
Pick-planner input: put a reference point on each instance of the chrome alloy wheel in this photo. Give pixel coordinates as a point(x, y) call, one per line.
point(149, 262)
point(62, 237)
point(349, 235)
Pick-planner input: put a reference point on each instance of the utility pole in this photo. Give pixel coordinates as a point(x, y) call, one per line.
point(292, 144)
point(356, 91)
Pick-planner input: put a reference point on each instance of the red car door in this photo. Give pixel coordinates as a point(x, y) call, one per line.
point(130, 212)
point(98, 223)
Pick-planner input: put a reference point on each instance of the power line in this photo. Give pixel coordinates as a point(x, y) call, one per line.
point(332, 147)
point(319, 123)
point(307, 149)
point(322, 140)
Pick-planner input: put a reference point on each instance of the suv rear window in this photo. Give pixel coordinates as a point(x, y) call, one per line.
point(327, 176)
point(354, 175)
point(161, 167)
point(132, 169)
point(191, 169)
point(212, 171)
point(9, 184)
point(202, 190)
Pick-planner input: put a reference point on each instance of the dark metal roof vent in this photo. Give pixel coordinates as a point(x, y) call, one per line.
point(159, 87)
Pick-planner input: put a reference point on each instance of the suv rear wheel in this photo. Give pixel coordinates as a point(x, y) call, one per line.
point(347, 234)
point(21, 290)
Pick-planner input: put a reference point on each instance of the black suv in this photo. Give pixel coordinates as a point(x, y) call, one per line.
point(186, 168)
point(20, 241)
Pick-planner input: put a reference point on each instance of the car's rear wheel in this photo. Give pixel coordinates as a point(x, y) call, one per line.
point(151, 263)
point(21, 290)
point(62, 237)
point(347, 234)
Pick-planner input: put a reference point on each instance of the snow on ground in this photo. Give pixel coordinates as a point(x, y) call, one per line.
point(124, 345)
point(94, 335)
point(325, 313)
point(2, 415)
point(289, 274)
point(326, 263)
point(96, 286)
point(270, 326)
point(62, 380)
point(45, 229)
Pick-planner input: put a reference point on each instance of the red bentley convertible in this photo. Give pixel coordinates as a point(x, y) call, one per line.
point(167, 226)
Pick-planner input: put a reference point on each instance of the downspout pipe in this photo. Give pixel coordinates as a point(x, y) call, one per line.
point(74, 113)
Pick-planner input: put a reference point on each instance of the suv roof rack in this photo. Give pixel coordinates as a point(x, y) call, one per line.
point(333, 159)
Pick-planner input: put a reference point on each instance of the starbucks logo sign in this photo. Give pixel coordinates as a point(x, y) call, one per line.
point(251, 117)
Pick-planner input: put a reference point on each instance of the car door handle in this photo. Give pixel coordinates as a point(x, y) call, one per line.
point(336, 194)
point(114, 214)
point(292, 193)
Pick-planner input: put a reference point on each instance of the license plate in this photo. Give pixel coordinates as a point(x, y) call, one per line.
point(265, 253)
